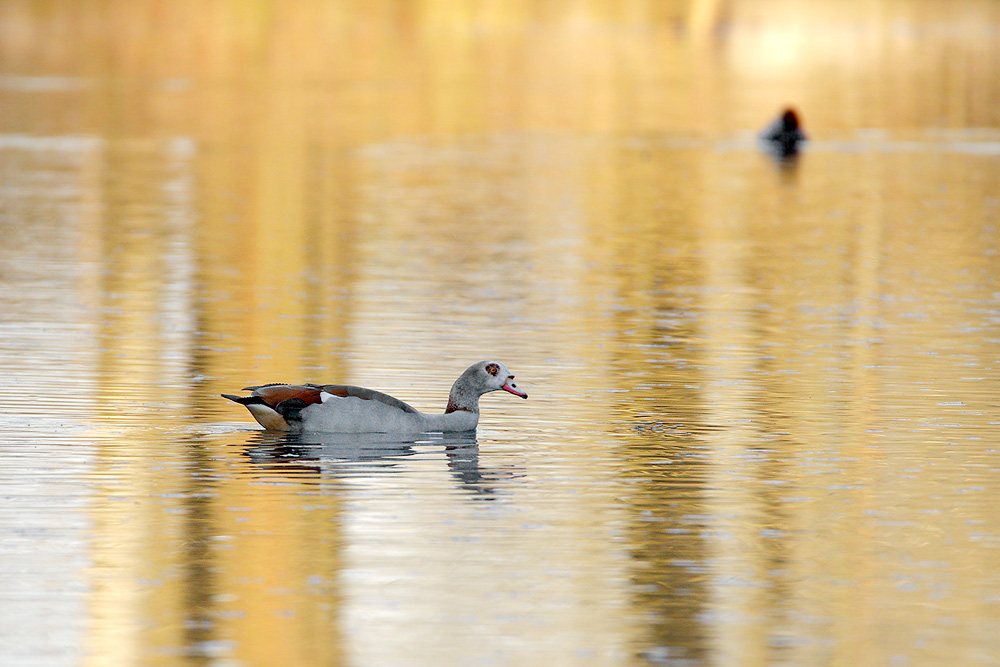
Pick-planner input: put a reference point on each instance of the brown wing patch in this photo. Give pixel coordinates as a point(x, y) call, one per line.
point(273, 394)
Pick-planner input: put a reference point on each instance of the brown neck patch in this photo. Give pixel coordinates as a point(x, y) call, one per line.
point(452, 407)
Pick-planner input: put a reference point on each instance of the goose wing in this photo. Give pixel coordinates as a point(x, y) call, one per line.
point(365, 394)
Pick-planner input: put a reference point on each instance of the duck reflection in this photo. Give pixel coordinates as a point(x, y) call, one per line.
point(352, 455)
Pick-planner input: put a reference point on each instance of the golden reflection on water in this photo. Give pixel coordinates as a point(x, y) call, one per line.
point(761, 419)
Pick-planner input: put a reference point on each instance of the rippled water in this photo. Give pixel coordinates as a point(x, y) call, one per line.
point(763, 420)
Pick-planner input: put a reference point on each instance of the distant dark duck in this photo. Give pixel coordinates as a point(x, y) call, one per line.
point(784, 135)
point(340, 408)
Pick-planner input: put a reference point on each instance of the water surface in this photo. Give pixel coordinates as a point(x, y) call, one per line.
point(763, 419)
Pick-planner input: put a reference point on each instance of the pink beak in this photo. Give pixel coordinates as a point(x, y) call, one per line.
point(512, 388)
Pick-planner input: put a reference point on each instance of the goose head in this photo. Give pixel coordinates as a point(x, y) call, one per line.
point(478, 379)
point(496, 376)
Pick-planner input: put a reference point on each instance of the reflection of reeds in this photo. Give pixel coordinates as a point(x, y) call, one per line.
point(353, 70)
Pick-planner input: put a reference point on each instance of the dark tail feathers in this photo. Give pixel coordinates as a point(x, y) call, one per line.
point(289, 408)
point(243, 400)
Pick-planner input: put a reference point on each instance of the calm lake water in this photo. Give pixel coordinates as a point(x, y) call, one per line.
point(763, 421)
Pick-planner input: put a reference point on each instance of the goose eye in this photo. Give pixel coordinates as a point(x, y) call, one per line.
point(492, 369)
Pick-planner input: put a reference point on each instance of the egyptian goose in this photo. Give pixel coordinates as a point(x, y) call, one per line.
point(340, 408)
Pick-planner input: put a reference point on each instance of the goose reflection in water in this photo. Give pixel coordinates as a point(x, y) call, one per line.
point(300, 456)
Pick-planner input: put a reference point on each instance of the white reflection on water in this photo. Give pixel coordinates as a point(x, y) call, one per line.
point(46, 352)
point(336, 456)
point(45, 534)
